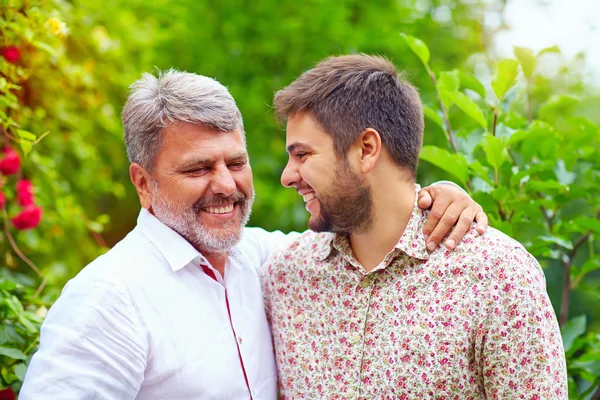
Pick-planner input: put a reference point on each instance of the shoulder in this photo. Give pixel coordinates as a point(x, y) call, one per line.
point(129, 263)
point(307, 248)
point(495, 257)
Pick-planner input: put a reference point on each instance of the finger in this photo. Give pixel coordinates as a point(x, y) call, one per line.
point(482, 222)
point(465, 221)
point(425, 200)
point(438, 208)
point(448, 220)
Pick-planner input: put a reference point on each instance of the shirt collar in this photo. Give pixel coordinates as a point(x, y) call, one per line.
point(177, 251)
point(412, 241)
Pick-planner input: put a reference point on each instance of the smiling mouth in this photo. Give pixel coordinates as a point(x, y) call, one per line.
point(308, 197)
point(219, 210)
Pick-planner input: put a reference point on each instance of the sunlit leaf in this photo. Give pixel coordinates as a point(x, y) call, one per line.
point(23, 134)
point(527, 58)
point(505, 76)
point(495, 150)
point(470, 108)
point(454, 164)
point(418, 47)
point(470, 82)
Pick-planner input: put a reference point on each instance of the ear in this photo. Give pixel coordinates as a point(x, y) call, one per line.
point(369, 147)
point(141, 180)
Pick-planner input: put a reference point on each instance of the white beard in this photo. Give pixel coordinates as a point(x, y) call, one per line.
point(186, 222)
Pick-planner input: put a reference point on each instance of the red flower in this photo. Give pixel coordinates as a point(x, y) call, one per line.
point(11, 162)
point(2, 200)
point(29, 218)
point(7, 394)
point(12, 54)
point(25, 192)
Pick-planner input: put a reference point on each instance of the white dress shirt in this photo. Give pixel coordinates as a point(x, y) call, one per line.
point(144, 321)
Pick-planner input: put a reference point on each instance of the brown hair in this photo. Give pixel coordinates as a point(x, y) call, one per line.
point(348, 94)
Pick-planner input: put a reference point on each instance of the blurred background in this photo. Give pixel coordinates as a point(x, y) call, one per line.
point(64, 76)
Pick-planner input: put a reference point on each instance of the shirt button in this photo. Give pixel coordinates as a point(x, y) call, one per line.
point(365, 282)
point(240, 340)
point(355, 338)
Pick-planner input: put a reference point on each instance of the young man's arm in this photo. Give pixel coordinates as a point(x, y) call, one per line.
point(520, 352)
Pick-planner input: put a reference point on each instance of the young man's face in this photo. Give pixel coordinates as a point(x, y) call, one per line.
point(201, 185)
point(338, 199)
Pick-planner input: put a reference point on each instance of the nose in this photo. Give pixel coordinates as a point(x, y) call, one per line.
point(223, 182)
point(290, 175)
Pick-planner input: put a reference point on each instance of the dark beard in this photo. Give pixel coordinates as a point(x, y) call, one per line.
point(347, 207)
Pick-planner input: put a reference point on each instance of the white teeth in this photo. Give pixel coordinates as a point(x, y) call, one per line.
point(308, 196)
point(219, 210)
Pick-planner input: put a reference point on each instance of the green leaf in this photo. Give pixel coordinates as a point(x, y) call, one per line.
point(23, 134)
point(418, 47)
point(592, 367)
point(553, 49)
point(13, 353)
point(470, 82)
point(557, 105)
point(20, 371)
point(591, 264)
point(588, 223)
point(470, 108)
point(46, 47)
point(26, 146)
point(447, 84)
point(433, 115)
point(527, 58)
point(570, 331)
point(505, 77)
point(557, 240)
point(454, 164)
point(495, 150)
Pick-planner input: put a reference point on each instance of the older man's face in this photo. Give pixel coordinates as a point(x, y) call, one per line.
point(202, 185)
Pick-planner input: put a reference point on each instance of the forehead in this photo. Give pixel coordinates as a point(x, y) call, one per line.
point(183, 140)
point(303, 129)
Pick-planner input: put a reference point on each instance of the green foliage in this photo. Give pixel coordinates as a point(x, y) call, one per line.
point(19, 330)
point(516, 140)
point(536, 173)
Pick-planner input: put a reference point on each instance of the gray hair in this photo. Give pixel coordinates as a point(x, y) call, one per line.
point(154, 103)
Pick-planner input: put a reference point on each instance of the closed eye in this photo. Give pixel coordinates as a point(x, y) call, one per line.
point(197, 170)
point(236, 165)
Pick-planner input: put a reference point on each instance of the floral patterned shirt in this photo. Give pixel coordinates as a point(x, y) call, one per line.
point(475, 323)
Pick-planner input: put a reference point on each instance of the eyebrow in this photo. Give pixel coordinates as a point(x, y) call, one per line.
point(295, 145)
point(242, 156)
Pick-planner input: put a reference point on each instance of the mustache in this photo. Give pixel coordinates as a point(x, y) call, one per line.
point(217, 201)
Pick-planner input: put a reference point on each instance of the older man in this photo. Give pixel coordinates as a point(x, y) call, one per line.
point(174, 310)
point(360, 309)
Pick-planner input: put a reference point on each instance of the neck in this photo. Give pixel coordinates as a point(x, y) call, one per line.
point(217, 260)
point(392, 209)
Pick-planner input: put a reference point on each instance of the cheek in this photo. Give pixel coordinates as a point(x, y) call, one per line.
point(243, 180)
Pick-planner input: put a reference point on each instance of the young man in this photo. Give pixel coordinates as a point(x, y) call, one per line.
point(174, 310)
point(359, 308)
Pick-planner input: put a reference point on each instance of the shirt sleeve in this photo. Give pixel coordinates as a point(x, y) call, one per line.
point(521, 353)
point(90, 347)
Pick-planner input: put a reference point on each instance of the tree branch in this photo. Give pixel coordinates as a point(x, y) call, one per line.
point(21, 255)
